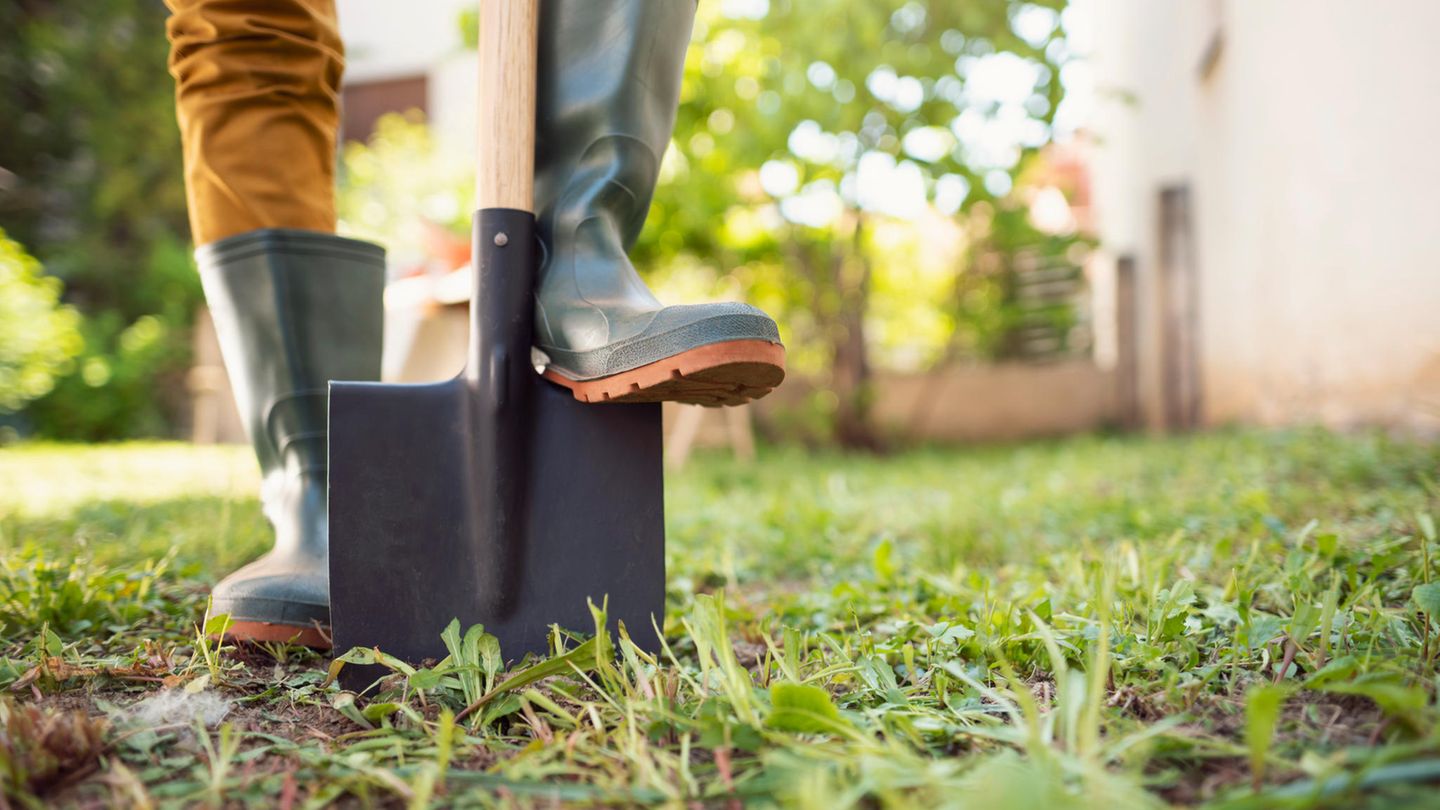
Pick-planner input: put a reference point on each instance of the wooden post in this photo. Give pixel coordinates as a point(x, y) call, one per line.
point(1127, 354)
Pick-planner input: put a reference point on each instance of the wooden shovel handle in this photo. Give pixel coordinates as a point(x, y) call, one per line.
point(506, 166)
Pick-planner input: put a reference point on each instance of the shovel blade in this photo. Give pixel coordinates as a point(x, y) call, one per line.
point(409, 551)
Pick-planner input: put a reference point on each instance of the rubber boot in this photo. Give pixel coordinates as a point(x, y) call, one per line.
point(608, 91)
point(293, 310)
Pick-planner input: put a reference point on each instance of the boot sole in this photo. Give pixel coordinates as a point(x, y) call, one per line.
point(730, 373)
point(268, 633)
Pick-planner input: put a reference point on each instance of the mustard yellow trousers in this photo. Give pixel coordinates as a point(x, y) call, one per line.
point(257, 95)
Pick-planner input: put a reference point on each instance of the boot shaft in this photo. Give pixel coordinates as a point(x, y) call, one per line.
point(608, 90)
point(293, 310)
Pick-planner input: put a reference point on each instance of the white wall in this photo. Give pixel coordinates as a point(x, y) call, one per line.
point(1309, 150)
point(389, 38)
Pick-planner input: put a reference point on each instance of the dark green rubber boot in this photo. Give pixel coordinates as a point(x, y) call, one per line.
point(608, 90)
point(293, 310)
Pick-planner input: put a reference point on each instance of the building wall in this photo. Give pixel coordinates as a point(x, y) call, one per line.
point(995, 402)
point(400, 56)
point(1304, 132)
point(385, 39)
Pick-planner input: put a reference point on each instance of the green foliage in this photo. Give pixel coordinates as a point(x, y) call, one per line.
point(400, 180)
point(1262, 714)
point(1427, 598)
point(770, 192)
point(476, 659)
point(796, 120)
point(72, 596)
point(92, 185)
point(987, 306)
point(129, 378)
point(92, 143)
point(38, 336)
point(802, 708)
point(1093, 623)
point(113, 394)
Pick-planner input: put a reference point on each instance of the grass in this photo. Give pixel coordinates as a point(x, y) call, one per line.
point(1229, 620)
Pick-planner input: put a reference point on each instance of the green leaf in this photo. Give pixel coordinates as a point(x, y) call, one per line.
point(366, 656)
point(471, 646)
point(1303, 621)
point(216, 625)
point(1338, 669)
point(1262, 713)
point(344, 702)
point(451, 637)
point(359, 655)
point(793, 642)
point(582, 658)
point(379, 711)
point(946, 633)
point(803, 708)
point(356, 655)
point(506, 705)
point(468, 656)
point(491, 661)
point(1395, 699)
point(54, 646)
point(1427, 598)
point(444, 739)
point(469, 661)
point(1427, 525)
point(426, 679)
point(884, 561)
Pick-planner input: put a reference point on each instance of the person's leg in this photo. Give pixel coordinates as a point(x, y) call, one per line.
point(257, 97)
point(609, 88)
point(294, 305)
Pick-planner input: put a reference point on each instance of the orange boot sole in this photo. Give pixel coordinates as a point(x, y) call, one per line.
point(730, 373)
point(269, 633)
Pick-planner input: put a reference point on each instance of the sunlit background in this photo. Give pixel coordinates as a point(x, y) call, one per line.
point(980, 224)
point(973, 220)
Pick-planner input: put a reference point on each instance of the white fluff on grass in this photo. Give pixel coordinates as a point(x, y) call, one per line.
point(178, 707)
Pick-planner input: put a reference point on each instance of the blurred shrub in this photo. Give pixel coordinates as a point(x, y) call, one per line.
point(123, 383)
point(836, 173)
point(400, 179)
point(39, 337)
point(92, 185)
point(129, 380)
point(73, 596)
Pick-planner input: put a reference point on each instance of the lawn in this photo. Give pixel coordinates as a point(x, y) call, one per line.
point(1235, 619)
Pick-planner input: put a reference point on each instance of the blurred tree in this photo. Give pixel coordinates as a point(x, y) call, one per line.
point(400, 182)
point(805, 124)
point(994, 318)
point(90, 181)
point(39, 337)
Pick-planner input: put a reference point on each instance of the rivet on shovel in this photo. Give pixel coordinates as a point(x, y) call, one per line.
point(501, 240)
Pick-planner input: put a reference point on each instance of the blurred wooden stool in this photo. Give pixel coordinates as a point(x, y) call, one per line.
point(213, 416)
point(686, 422)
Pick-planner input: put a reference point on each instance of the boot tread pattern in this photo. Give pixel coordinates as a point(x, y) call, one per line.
point(729, 373)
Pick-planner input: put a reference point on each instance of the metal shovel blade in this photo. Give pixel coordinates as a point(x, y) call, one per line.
point(494, 498)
